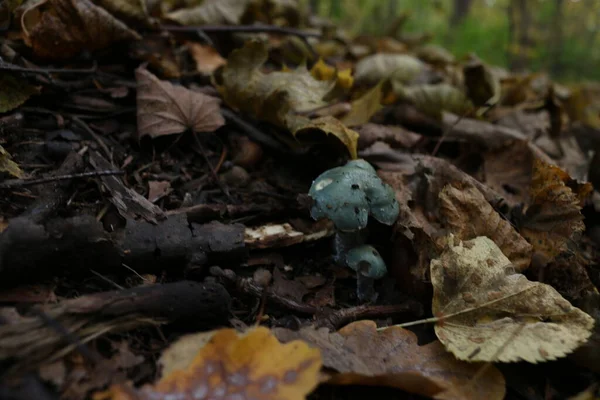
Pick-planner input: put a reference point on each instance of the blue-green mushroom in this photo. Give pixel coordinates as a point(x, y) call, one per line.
point(348, 195)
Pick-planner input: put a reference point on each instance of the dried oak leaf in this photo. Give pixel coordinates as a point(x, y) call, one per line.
point(279, 97)
point(211, 12)
point(60, 29)
point(253, 365)
point(553, 217)
point(467, 214)
point(165, 109)
point(361, 355)
point(487, 312)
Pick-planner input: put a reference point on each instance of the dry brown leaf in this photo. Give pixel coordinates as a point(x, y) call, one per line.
point(130, 10)
point(467, 215)
point(361, 355)
point(229, 365)
point(206, 57)
point(60, 29)
point(395, 136)
point(487, 312)
point(164, 109)
point(157, 190)
point(553, 217)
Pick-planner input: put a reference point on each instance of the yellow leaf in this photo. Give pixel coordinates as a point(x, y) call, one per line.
point(8, 165)
point(232, 365)
point(487, 312)
point(324, 72)
point(364, 107)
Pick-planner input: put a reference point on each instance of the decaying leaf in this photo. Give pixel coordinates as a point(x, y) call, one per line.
point(231, 366)
point(206, 57)
point(377, 67)
point(211, 12)
point(134, 10)
point(60, 29)
point(467, 214)
point(165, 109)
point(8, 165)
point(14, 92)
point(433, 99)
point(279, 97)
point(553, 217)
point(483, 87)
point(490, 313)
point(361, 355)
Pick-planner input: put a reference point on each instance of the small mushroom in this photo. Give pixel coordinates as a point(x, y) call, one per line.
point(348, 195)
point(369, 266)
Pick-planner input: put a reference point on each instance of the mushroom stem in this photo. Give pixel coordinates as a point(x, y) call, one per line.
point(343, 242)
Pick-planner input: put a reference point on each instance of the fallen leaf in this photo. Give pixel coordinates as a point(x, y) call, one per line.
point(8, 165)
point(487, 312)
point(206, 57)
point(395, 136)
point(364, 107)
point(159, 53)
point(279, 97)
point(213, 12)
point(467, 215)
point(324, 72)
point(553, 217)
point(165, 109)
point(436, 55)
point(60, 29)
point(483, 87)
point(362, 355)
point(286, 288)
point(433, 99)
point(157, 190)
point(377, 67)
point(231, 365)
point(133, 10)
point(14, 92)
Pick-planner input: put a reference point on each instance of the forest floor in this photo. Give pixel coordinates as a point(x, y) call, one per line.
point(165, 231)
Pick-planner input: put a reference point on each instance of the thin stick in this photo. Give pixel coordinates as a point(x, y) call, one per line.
point(14, 183)
point(93, 134)
point(4, 66)
point(242, 28)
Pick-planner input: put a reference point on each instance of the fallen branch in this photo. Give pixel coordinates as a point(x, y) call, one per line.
point(33, 340)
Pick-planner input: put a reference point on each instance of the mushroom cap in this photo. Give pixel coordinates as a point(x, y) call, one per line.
point(367, 261)
point(347, 195)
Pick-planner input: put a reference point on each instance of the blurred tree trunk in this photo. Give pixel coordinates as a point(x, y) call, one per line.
point(520, 42)
point(460, 11)
point(556, 39)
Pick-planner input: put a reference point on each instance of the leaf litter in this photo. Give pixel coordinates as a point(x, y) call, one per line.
point(189, 264)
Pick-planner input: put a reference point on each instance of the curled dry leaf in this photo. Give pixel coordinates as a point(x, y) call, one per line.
point(433, 99)
point(553, 218)
point(467, 215)
point(487, 312)
point(60, 29)
point(279, 97)
point(164, 108)
point(211, 12)
point(231, 365)
point(362, 355)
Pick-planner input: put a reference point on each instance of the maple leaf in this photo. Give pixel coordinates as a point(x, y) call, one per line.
point(63, 28)
point(227, 364)
point(279, 97)
point(468, 215)
point(487, 312)
point(553, 217)
point(362, 355)
point(165, 109)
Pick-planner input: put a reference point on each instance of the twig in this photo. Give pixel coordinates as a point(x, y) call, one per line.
point(339, 318)
point(212, 170)
point(95, 136)
point(4, 66)
point(14, 183)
